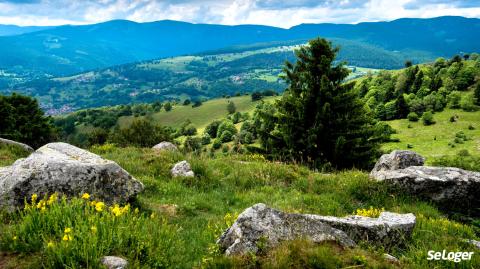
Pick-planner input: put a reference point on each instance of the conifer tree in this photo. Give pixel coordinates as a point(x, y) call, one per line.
point(320, 120)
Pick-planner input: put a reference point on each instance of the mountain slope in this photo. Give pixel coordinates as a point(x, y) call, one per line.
point(9, 30)
point(69, 49)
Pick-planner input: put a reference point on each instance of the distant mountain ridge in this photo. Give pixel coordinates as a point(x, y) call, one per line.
point(71, 49)
point(9, 30)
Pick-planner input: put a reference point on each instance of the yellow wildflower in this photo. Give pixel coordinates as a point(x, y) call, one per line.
point(136, 211)
point(93, 229)
point(116, 210)
point(99, 206)
point(67, 237)
point(86, 196)
point(34, 198)
point(93, 203)
point(152, 215)
point(53, 198)
point(68, 230)
point(50, 244)
point(15, 238)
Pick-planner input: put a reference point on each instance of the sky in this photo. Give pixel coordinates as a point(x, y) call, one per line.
point(230, 12)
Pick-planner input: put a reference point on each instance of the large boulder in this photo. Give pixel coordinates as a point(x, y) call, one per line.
point(15, 143)
point(113, 262)
point(182, 169)
point(448, 186)
point(397, 159)
point(68, 170)
point(260, 222)
point(164, 146)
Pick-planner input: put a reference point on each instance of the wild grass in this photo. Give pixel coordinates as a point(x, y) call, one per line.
point(439, 139)
point(192, 212)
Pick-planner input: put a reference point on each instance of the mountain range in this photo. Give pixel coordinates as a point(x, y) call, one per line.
point(70, 49)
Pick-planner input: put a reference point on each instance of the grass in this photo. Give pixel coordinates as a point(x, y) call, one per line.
point(200, 116)
point(192, 212)
point(433, 141)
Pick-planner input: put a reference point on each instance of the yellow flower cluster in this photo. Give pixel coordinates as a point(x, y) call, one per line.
point(256, 157)
point(67, 234)
point(370, 212)
point(117, 210)
point(42, 204)
point(99, 206)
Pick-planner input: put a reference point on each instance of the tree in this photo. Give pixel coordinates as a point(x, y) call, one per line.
point(476, 94)
point(401, 107)
point(231, 108)
point(256, 96)
point(320, 120)
point(21, 119)
point(427, 118)
point(186, 102)
point(212, 128)
point(141, 133)
point(167, 106)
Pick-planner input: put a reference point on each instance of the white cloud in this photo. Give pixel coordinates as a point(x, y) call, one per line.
point(267, 12)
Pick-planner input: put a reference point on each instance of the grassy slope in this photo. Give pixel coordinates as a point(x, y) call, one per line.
point(422, 138)
point(200, 116)
point(229, 184)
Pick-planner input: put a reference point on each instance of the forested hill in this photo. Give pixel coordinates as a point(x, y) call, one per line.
point(235, 70)
point(69, 49)
point(418, 89)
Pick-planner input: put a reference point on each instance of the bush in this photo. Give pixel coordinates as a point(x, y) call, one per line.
point(231, 108)
point(187, 102)
point(141, 133)
point(197, 103)
point(226, 136)
point(225, 126)
point(192, 144)
point(412, 116)
point(216, 144)
point(256, 96)
point(167, 106)
point(246, 137)
point(206, 139)
point(468, 103)
point(427, 118)
point(212, 128)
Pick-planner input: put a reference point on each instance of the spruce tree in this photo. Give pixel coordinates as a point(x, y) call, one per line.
point(320, 120)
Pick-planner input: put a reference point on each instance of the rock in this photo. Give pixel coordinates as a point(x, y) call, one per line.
point(473, 242)
point(390, 258)
point(163, 146)
point(448, 186)
point(182, 169)
point(67, 170)
point(397, 159)
point(260, 222)
point(112, 262)
point(15, 143)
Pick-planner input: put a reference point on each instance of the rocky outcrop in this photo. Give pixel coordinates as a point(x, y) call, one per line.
point(398, 159)
point(163, 146)
point(261, 223)
point(449, 186)
point(182, 169)
point(112, 262)
point(68, 170)
point(15, 143)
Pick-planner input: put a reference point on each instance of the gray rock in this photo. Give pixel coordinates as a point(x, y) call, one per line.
point(260, 222)
point(112, 262)
point(390, 258)
point(15, 143)
point(397, 159)
point(182, 169)
point(165, 146)
point(473, 242)
point(452, 187)
point(68, 170)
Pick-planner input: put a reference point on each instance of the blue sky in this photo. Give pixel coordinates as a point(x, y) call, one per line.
point(268, 12)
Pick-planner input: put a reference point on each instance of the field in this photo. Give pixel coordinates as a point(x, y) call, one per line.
point(436, 140)
point(189, 215)
point(200, 116)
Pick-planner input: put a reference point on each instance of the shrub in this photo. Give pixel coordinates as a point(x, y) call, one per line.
point(197, 103)
point(167, 106)
point(412, 116)
point(246, 137)
point(212, 128)
point(187, 102)
point(225, 126)
point(470, 127)
point(256, 96)
point(206, 139)
point(231, 108)
point(217, 143)
point(141, 133)
point(427, 118)
point(468, 103)
point(226, 136)
point(192, 144)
